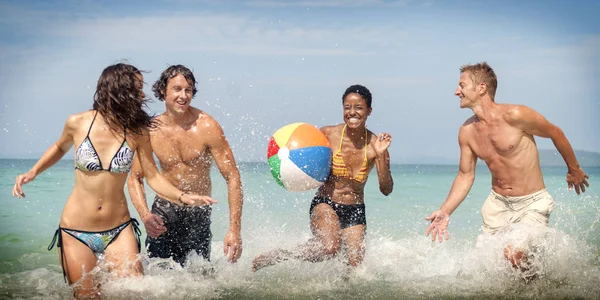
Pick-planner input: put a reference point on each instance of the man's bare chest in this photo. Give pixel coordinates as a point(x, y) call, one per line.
point(177, 148)
point(499, 141)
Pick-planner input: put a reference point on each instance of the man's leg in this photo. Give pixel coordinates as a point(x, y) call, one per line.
point(494, 213)
point(163, 245)
point(497, 215)
point(536, 214)
point(198, 236)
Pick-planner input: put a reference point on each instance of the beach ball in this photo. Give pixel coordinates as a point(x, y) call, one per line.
point(299, 157)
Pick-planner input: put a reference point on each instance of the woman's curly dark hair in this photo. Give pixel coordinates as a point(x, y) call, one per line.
point(120, 100)
point(362, 91)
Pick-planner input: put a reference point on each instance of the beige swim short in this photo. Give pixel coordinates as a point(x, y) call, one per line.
point(500, 211)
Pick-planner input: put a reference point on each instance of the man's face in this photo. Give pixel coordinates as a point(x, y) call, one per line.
point(466, 90)
point(178, 94)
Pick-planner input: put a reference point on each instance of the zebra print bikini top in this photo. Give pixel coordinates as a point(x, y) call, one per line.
point(87, 159)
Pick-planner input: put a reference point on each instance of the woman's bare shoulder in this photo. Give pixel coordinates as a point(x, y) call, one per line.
point(75, 121)
point(331, 128)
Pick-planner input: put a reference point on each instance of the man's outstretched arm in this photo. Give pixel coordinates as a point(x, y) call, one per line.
point(458, 192)
point(534, 123)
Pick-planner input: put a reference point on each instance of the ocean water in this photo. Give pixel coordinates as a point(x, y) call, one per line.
point(400, 262)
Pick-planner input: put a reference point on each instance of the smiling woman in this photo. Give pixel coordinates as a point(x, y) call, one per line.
point(337, 212)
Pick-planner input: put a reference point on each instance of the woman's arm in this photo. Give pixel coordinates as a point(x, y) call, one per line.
point(135, 185)
point(154, 224)
point(52, 155)
point(382, 161)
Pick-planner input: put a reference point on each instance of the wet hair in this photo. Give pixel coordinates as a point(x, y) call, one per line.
point(120, 100)
point(362, 91)
point(159, 87)
point(482, 73)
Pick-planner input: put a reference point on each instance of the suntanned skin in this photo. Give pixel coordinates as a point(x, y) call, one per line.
point(347, 191)
point(186, 143)
point(98, 201)
point(328, 237)
point(502, 135)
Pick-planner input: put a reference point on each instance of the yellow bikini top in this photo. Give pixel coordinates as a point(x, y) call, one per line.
point(338, 166)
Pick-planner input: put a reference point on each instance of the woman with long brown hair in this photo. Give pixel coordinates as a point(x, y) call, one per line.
point(95, 223)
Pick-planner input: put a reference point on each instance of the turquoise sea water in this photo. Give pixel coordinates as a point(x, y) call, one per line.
point(400, 263)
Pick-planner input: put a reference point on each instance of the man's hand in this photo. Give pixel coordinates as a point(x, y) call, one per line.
point(154, 225)
point(232, 245)
point(439, 224)
point(576, 178)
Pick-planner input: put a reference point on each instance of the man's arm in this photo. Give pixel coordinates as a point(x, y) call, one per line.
point(534, 123)
point(135, 184)
point(460, 188)
point(221, 152)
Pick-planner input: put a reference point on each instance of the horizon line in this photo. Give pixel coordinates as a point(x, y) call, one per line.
point(424, 163)
point(429, 157)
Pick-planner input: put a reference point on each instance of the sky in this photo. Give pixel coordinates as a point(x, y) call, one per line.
point(263, 64)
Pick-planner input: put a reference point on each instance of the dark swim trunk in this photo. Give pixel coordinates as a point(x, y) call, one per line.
point(188, 229)
point(349, 215)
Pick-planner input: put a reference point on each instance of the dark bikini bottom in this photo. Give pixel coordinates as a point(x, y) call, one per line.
point(349, 215)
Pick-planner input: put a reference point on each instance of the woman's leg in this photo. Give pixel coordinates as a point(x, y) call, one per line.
point(122, 255)
point(78, 261)
point(325, 243)
point(354, 242)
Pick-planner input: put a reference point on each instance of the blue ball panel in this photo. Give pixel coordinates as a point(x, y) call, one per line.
point(314, 161)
